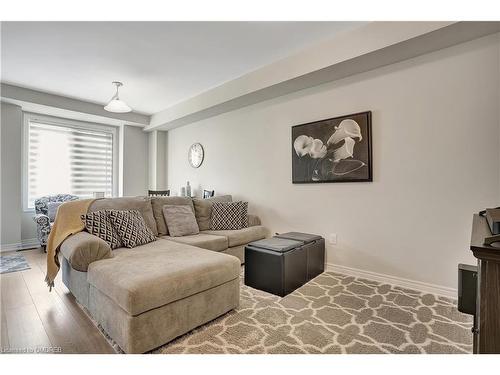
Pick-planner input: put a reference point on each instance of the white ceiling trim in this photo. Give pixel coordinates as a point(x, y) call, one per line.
point(37, 101)
point(369, 47)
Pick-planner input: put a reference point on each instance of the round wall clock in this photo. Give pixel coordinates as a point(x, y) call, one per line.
point(195, 155)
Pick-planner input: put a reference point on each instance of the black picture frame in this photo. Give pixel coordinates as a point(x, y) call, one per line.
point(336, 166)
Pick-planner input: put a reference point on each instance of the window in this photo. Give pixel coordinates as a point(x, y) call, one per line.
point(67, 157)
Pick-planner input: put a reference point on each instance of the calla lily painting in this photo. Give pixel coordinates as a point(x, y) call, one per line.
point(333, 150)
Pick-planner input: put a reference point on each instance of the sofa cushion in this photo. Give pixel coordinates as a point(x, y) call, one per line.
point(141, 204)
point(203, 240)
point(159, 273)
point(98, 224)
point(203, 209)
point(157, 204)
point(131, 227)
point(82, 248)
point(240, 236)
point(180, 220)
point(228, 215)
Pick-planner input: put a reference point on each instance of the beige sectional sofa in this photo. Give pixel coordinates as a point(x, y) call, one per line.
point(148, 295)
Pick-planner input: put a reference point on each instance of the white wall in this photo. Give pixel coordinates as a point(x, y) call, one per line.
point(157, 161)
point(436, 152)
point(135, 158)
point(11, 210)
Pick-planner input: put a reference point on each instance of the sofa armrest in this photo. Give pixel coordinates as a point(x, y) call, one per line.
point(253, 220)
point(81, 249)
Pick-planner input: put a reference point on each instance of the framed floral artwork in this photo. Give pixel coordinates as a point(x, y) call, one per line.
point(338, 149)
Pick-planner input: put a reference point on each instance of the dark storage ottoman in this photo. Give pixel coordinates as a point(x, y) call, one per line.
point(315, 248)
point(281, 264)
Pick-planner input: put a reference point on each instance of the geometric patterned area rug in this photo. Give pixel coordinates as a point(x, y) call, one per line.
point(13, 263)
point(334, 313)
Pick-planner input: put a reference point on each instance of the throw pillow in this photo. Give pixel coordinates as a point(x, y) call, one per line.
point(203, 209)
point(228, 215)
point(244, 214)
point(180, 220)
point(52, 210)
point(141, 204)
point(98, 224)
point(158, 202)
point(131, 227)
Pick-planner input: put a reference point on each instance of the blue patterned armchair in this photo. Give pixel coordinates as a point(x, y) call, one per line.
point(42, 219)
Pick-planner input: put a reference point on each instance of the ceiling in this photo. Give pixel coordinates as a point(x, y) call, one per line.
point(160, 63)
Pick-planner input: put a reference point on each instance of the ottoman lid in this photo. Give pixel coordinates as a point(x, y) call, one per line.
point(297, 236)
point(276, 244)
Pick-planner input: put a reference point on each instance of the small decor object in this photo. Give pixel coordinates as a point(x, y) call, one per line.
point(183, 191)
point(180, 220)
point(333, 150)
point(99, 224)
point(228, 215)
point(131, 227)
point(208, 194)
point(196, 155)
point(188, 189)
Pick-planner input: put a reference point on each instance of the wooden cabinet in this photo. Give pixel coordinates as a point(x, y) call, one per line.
point(487, 319)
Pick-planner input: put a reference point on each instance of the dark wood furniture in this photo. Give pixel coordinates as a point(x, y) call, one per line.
point(159, 193)
point(487, 318)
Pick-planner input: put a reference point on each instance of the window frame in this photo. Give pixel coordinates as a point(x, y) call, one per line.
point(68, 123)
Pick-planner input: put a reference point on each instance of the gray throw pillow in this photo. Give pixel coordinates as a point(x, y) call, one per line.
point(180, 220)
point(52, 209)
point(158, 202)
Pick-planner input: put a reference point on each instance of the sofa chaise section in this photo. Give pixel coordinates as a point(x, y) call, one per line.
point(158, 273)
point(146, 296)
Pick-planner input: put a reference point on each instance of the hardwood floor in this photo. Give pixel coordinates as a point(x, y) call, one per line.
point(32, 318)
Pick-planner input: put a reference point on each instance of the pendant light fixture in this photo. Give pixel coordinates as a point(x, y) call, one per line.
point(115, 104)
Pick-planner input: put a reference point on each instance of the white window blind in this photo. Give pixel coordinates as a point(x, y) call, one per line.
point(68, 160)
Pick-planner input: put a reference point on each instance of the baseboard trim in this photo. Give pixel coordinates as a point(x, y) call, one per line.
point(394, 280)
point(30, 243)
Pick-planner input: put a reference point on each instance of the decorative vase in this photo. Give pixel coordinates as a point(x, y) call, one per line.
point(188, 190)
point(183, 191)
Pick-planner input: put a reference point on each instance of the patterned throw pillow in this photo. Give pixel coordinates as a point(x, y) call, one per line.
point(131, 227)
point(98, 224)
point(244, 214)
point(229, 215)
